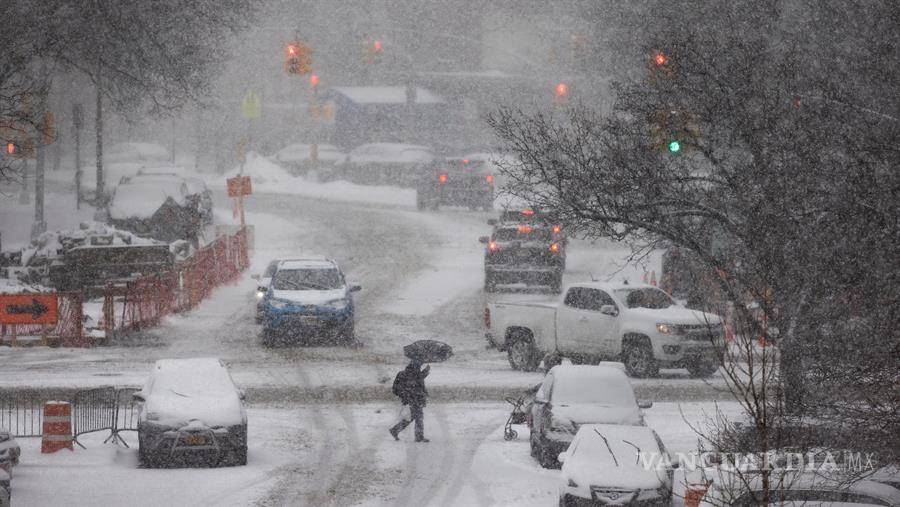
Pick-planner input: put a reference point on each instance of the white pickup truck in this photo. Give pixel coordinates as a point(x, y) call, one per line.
point(637, 324)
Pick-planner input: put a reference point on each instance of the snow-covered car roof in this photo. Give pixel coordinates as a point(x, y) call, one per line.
point(300, 151)
point(141, 199)
point(197, 391)
point(588, 372)
point(391, 152)
point(730, 485)
point(613, 286)
point(306, 263)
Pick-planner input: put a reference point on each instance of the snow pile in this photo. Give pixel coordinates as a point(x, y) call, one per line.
point(11, 286)
point(142, 199)
point(52, 243)
point(268, 177)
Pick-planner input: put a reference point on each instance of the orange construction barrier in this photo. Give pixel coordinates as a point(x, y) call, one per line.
point(57, 432)
point(693, 494)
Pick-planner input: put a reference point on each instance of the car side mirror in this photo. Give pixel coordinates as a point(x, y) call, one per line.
point(644, 404)
point(609, 310)
point(138, 397)
point(484, 240)
point(355, 288)
point(492, 221)
point(562, 457)
point(262, 288)
point(242, 394)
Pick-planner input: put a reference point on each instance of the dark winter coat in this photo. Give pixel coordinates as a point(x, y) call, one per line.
point(409, 385)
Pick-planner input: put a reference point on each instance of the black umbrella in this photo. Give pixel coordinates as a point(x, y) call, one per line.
point(428, 351)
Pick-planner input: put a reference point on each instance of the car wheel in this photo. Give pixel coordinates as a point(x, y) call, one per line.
point(638, 359)
point(521, 355)
point(702, 369)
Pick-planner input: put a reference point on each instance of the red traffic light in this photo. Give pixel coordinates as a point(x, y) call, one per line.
point(562, 89)
point(291, 50)
point(10, 148)
point(376, 46)
point(314, 80)
point(660, 59)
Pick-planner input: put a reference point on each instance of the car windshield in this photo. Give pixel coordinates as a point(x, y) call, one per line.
point(308, 279)
point(523, 234)
point(594, 391)
point(645, 298)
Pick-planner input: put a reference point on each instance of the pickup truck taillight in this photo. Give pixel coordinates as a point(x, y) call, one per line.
point(554, 247)
point(493, 247)
point(487, 318)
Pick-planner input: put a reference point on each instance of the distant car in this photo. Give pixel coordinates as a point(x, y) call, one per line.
point(191, 413)
point(308, 298)
point(796, 489)
point(574, 395)
point(8, 443)
point(297, 159)
point(386, 163)
point(609, 464)
point(456, 182)
point(524, 254)
point(195, 186)
point(262, 284)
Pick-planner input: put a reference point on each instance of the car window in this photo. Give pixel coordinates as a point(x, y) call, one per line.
point(574, 298)
point(594, 299)
point(645, 298)
point(523, 233)
point(578, 390)
point(308, 279)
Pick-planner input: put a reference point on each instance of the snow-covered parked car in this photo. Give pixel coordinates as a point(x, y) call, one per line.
point(308, 298)
point(5, 489)
point(297, 158)
point(637, 324)
point(812, 488)
point(195, 186)
point(9, 445)
point(191, 413)
point(387, 163)
point(573, 395)
point(610, 464)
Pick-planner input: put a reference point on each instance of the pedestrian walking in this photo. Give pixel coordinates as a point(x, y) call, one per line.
point(409, 386)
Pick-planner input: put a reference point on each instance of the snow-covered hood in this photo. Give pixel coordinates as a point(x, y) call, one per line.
point(590, 413)
point(310, 297)
point(675, 315)
point(630, 474)
point(178, 410)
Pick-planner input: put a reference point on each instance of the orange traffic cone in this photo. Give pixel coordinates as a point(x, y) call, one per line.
point(57, 427)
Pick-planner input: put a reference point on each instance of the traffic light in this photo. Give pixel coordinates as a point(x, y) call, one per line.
point(660, 65)
point(674, 146)
point(660, 59)
point(372, 51)
point(298, 58)
point(314, 81)
point(562, 90)
point(11, 148)
point(674, 131)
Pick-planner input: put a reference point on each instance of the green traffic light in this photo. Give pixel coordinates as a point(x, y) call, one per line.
point(674, 146)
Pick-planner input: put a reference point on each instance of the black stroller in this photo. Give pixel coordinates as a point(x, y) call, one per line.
point(521, 406)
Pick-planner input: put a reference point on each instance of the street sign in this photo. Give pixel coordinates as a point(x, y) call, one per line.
point(239, 186)
point(251, 106)
point(28, 309)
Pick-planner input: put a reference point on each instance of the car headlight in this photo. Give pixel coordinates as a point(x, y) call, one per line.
point(668, 328)
point(337, 304)
point(562, 425)
point(278, 304)
point(260, 294)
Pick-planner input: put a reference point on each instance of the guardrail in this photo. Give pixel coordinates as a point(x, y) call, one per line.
point(22, 414)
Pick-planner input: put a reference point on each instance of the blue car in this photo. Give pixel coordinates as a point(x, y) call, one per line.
point(308, 299)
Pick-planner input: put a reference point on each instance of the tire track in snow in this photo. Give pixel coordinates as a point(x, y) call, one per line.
point(424, 480)
point(463, 472)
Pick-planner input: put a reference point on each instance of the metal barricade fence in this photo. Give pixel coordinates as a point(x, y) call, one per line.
point(126, 413)
point(94, 410)
point(22, 414)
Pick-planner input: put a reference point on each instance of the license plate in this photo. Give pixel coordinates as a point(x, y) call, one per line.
point(311, 321)
point(195, 440)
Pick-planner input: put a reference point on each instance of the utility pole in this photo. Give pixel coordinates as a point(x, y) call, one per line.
point(77, 122)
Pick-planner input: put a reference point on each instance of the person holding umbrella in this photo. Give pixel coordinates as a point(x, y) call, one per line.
point(409, 384)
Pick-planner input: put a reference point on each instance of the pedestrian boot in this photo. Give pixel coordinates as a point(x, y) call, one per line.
point(423, 440)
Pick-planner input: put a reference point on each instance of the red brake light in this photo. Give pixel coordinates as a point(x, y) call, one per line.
point(465, 161)
point(524, 229)
point(528, 212)
point(489, 178)
point(442, 178)
point(492, 246)
point(556, 229)
point(554, 247)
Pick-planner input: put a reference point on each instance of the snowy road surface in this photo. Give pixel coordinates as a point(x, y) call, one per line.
point(332, 455)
